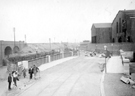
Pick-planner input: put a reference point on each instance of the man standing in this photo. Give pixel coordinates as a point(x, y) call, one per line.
point(15, 78)
point(9, 81)
point(31, 72)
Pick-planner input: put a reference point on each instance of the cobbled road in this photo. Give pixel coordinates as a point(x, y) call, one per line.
point(80, 76)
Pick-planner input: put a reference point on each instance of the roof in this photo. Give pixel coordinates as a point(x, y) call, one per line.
point(102, 25)
point(130, 13)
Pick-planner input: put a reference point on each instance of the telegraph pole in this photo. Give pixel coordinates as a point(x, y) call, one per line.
point(25, 38)
point(105, 67)
point(50, 43)
point(14, 35)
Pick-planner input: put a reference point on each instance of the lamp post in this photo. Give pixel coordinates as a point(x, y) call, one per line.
point(112, 48)
point(105, 48)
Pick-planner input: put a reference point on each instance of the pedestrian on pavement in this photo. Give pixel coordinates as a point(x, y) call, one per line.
point(15, 78)
point(108, 54)
point(31, 72)
point(9, 81)
point(38, 73)
point(24, 72)
point(35, 70)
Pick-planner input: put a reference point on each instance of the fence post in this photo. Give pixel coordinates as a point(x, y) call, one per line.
point(72, 53)
point(49, 59)
point(62, 54)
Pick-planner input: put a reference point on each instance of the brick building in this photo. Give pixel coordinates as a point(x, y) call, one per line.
point(101, 33)
point(123, 26)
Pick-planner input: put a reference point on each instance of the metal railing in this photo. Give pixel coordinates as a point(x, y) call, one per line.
point(38, 61)
point(41, 60)
point(53, 57)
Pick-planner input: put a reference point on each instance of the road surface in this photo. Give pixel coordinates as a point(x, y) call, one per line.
point(77, 77)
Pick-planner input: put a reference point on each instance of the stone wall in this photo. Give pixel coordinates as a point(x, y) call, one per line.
point(113, 47)
point(9, 44)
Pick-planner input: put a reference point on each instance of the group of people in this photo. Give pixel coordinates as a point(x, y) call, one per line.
point(33, 70)
point(12, 77)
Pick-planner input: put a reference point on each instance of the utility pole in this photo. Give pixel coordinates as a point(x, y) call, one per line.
point(112, 48)
point(25, 38)
point(50, 44)
point(54, 39)
point(105, 67)
point(14, 35)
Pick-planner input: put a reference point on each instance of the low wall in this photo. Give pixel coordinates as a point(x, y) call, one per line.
point(38, 61)
point(41, 60)
point(112, 47)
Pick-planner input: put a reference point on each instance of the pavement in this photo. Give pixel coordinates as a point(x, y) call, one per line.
point(114, 65)
point(111, 85)
point(110, 81)
point(23, 83)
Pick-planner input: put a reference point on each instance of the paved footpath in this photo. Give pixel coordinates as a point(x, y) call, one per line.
point(24, 81)
point(114, 65)
point(111, 84)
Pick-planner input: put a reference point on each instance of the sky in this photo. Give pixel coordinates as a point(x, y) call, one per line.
point(59, 20)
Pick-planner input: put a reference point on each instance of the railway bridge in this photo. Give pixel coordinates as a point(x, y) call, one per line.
point(9, 47)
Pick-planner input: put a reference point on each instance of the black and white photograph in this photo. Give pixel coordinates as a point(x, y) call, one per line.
point(67, 47)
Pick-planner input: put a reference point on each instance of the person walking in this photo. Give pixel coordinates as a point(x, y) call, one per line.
point(38, 73)
point(24, 72)
point(35, 71)
point(15, 78)
point(31, 72)
point(9, 81)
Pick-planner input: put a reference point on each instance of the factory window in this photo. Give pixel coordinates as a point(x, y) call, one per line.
point(117, 27)
point(119, 24)
point(113, 40)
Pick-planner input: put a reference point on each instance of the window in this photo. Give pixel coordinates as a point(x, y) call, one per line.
point(119, 25)
point(116, 27)
point(113, 40)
